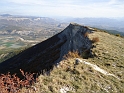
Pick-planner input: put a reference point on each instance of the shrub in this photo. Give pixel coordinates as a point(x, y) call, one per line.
point(95, 39)
point(13, 84)
point(118, 35)
point(73, 54)
point(86, 53)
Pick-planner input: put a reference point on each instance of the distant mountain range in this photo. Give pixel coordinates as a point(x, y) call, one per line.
point(10, 24)
point(25, 20)
point(103, 23)
point(5, 15)
point(34, 22)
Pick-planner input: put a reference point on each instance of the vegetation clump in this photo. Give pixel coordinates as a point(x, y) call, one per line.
point(95, 39)
point(73, 54)
point(13, 84)
point(118, 35)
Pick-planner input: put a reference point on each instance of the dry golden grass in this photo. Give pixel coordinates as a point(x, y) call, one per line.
point(78, 79)
point(109, 53)
point(86, 34)
point(73, 54)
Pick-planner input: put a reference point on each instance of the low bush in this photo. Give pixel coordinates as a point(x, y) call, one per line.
point(13, 84)
point(73, 54)
point(118, 35)
point(95, 39)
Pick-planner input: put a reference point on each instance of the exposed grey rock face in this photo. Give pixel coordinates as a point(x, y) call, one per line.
point(75, 39)
point(45, 54)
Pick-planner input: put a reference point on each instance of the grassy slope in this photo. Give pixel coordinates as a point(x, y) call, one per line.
point(109, 53)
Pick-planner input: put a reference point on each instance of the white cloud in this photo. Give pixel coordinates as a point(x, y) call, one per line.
point(75, 8)
point(116, 2)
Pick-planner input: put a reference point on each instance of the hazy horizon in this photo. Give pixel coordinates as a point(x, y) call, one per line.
point(65, 8)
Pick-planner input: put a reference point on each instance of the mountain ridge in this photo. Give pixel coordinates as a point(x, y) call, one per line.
point(45, 54)
point(103, 73)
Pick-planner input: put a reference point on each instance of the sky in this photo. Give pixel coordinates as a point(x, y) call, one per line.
point(68, 8)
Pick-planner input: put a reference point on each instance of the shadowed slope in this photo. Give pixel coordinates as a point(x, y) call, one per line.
point(45, 54)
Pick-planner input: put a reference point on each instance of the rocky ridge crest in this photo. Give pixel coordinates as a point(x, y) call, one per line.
point(46, 54)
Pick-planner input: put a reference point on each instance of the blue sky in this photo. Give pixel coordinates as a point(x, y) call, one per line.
point(70, 8)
